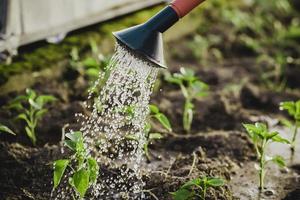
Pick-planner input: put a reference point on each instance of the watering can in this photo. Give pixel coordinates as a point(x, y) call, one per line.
point(146, 39)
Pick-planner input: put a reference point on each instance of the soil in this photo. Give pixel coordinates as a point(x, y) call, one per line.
point(216, 146)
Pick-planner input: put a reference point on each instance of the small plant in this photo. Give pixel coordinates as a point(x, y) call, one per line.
point(84, 168)
point(261, 138)
point(31, 109)
point(192, 88)
point(196, 188)
point(5, 129)
point(151, 136)
point(293, 109)
point(92, 66)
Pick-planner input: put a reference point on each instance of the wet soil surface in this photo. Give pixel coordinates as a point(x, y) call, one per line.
point(216, 146)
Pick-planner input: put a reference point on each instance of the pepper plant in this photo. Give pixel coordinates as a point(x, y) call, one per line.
point(84, 168)
point(151, 136)
point(293, 108)
point(192, 88)
point(196, 188)
point(31, 109)
point(261, 138)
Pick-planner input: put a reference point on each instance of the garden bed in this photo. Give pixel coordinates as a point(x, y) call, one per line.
point(217, 144)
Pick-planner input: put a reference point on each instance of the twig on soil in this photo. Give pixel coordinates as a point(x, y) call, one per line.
point(194, 163)
point(170, 167)
point(151, 194)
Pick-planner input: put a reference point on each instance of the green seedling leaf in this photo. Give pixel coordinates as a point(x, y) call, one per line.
point(154, 109)
point(279, 160)
point(39, 114)
point(94, 169)
point(59, 170)
point(278, 138)
point(43, 99)
point(34, 104)
point(191, 183)
point(286, 123)
point(289, 106)
point(70, 144)
point(92, 73)
point(30, 93)
point(215, 182)
point(81, 181)
point(23, 117)
point(163, 120)
point(90, 63)
point(271, 135)
point(147, 127)
point(183, 194)
point(132, 137)
point(155, 136)
point(75, 136)
point(6, 130)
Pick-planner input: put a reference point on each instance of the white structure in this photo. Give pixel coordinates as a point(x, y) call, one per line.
point(26, 21)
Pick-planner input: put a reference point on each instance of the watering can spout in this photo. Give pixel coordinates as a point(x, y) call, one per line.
point(146, 39)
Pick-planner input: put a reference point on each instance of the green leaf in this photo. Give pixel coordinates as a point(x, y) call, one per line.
point(183, 194)
point(279, 160)
point(163, 120)
point(59, 170)
point(194, 182)
point(215, 182)
point(132, 137)
point(70, 144)
point(288, 106)
point(92, 73)
point(155, 136)
point(6, 129)
point(271, 135)
point(81, 181)
point(94, 169)
point(23, 117)
point(90, 63)
point(40, 113)
point(34, 104)
point(75, 136)
point(278, 138)
point(31, 94)
point(154, 109)
point(286, 123)
point(43, 99)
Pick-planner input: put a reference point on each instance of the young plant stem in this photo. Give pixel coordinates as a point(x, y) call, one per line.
point(32, 125)
point(204, 191)
point(262, 165)
point(293, 143)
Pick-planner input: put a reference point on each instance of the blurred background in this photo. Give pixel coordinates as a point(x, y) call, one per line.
point(38, 36)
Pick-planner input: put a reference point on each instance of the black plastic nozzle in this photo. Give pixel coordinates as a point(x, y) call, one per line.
point(146, 39)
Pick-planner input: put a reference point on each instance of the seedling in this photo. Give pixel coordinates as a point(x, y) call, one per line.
point(192, 88)
point(151, 136)
point(293, 109)
point(5, 129)
point(92, 66)
point(84, 168)
point(31, 109)
point(197, 188)
point(261, 138)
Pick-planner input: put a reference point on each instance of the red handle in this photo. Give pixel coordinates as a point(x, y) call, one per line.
point(183, 7)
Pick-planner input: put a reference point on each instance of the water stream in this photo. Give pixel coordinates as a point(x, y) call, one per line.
point(118, 111)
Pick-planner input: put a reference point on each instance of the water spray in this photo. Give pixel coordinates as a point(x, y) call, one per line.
point(146, 39)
